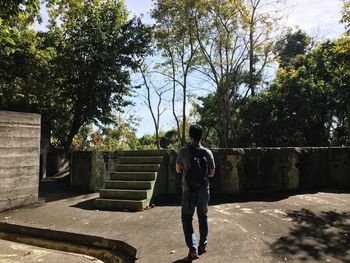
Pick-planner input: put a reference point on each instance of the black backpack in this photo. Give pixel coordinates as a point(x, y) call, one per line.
point(197, 174)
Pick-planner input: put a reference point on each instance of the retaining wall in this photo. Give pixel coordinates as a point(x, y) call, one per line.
point(19, 159)
point(237, 170)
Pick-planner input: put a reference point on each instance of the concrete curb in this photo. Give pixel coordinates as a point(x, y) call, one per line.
point(60, 240)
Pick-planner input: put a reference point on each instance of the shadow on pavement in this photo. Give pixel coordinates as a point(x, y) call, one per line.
point(86, 205)
point(57, 188)
point(253, 196)
point(316, 236)
point(217, 199)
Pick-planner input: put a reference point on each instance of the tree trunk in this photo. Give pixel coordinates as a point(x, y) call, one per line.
point(251, 62)
point(73, 131)
point(157, 138)
point(225, 118)
point(348, 124)
point(183, 142)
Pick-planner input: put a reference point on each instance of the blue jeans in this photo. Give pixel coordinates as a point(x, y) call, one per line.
point(191, 200)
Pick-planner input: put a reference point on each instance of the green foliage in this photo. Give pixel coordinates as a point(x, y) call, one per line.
point(292, 45)
point(77, 72)
point(306, 105)
point(168, 140)
point(96, 49)
point(14, 16)
point(119, 135)
point(26, 75)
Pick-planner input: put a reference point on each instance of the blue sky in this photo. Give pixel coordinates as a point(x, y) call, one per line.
point(319, 18)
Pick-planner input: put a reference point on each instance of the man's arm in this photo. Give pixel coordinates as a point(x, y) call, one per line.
point(179, 161)
point(211, 172)
point(178, 168)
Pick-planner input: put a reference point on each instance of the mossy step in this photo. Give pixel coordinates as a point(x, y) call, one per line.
point(125, 194)
point(133, 176)
point(137, 167)
point(115, 204)
point(133, 185)
point(141, 160)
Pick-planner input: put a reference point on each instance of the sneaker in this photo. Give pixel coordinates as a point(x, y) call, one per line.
point(192, 255)
point(202, 250)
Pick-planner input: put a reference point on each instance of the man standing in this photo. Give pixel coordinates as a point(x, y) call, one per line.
point(196, 163)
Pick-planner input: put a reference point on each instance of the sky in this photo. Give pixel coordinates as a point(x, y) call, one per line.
point(318, 18)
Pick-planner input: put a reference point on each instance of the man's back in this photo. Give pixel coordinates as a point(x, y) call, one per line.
point(184, 159)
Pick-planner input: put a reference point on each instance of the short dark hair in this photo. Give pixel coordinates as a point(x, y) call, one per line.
point(196, 132)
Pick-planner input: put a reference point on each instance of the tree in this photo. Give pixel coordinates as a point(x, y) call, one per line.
point(306, 105)
point(151, 90)
point(175, 38)
point(96, 45)
point(221, 37)
point(343, 49)
point(261, 21)
point(291, 45)
point(78, 71)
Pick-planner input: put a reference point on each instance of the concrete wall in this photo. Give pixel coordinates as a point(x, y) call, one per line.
point(19, 159)
point(237, 170)
point(45, 136)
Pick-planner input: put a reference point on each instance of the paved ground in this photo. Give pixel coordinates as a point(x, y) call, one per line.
point(11, 252)
point(312, 227)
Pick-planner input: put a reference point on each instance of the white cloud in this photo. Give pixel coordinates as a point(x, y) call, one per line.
point(316, 16)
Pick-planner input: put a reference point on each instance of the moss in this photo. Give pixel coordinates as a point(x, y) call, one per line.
point(230, 175)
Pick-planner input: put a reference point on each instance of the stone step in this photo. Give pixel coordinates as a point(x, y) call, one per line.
point(133, 185)
point(125, 194)
point(133, 176)
point(114, 204)
point(137, 167)
point(141, 159)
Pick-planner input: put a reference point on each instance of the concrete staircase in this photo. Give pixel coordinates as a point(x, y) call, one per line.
point(130, 186)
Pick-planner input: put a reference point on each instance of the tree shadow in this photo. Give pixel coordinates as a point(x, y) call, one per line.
point(316, 236)
point(216, 198)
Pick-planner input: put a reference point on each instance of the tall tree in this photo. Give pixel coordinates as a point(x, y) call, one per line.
point(261, 21)
point(95, 50)
point(154, 94)
point(175, 38)
point(221, 37)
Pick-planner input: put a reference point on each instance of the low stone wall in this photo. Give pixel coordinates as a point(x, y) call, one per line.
point(19, 159)
point(237, 170)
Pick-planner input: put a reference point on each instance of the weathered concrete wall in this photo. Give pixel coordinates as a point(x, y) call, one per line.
point(239, 170)
point(19, 159)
